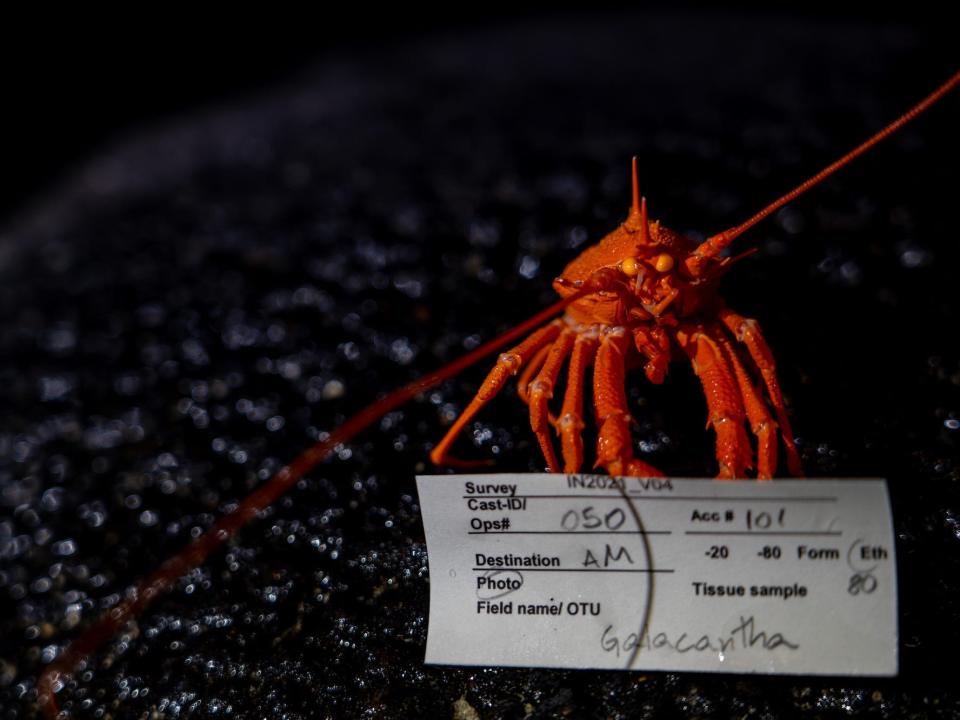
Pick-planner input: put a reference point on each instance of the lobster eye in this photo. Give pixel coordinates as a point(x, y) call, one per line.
point(630, 267)
point(663, 263)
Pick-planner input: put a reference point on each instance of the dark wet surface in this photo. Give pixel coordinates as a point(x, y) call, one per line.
point(191, 312)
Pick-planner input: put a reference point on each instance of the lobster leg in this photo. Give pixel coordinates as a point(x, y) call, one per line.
point(508, 365)
point(614, 444)
point(570, 425)
point(532, 368)
point(724, 404)
point(542, 390)
point(748, 332)
point(654, 344)
point(762, 424)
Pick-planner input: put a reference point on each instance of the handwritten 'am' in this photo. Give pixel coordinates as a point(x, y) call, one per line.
point(608, 557)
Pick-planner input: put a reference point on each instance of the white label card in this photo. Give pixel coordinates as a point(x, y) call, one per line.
point(587, 571)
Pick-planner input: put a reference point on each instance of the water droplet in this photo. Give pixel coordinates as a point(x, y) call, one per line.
point(402, 351)
point(60, 339)
point(64, 548)
point(54, 388)
point(409, 286)
point(52, 499)
point(578, 236)
point(529, 267)
point(914, 257)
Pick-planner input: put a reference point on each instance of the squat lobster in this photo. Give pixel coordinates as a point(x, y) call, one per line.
point(651, 291)
point(640, 293)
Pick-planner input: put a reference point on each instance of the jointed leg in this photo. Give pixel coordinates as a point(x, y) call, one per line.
point(508, 365)
point(724, 403)
point(748, 332)
point(570, 424)
point(532, 368)
point(761, 422)
point(614, 444)
point(541, 390)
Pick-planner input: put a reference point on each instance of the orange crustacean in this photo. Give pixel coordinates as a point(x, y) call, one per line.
point(652, 291)
point(639, 295)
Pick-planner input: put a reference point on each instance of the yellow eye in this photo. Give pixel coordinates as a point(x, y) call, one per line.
point(663, 263)
point(630, 267)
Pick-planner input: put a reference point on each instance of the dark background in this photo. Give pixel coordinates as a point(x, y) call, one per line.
point(209, 229)
point(72, 87)
point(71, 91)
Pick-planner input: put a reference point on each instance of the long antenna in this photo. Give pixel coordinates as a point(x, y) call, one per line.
point(712, 246)
point(53, 676)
